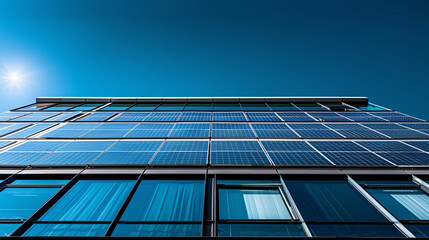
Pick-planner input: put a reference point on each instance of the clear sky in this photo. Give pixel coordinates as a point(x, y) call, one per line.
point(373, 48)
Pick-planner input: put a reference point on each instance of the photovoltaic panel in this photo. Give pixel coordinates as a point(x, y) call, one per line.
point(298, 158)
point(26, 132)
point(116, 126)
point(162, 117)
point(20, 158)
point(263, 133)
point(136, 146)
point(79, 126)
point(130, 117)
point(262, 117)
point(295, 117)
point(344, 146)
point(395, 117)
point(229, 117)
point(180, 158)
point(35, 117)
point(9, 115)
point(269, 126)
point(361, 117)
point(185, 146)
point(193, 126)
point(5, 143)
point(423, 145)
point(12, 128)
point(62, 117)
point(58, 133)
point(232, 130)
point(329, 117)
point(239, 158)
point(195, 117)
point(396, 131)
point(39, 146)
point(97, 117)
point(68, 158)
point(307, 133)
point(307, 126)
point(152, 126)
point(287, 146)
point(86, 146)
point(189, 133)
point(386, 146)
point(355, 159)
point(117, 107)
point(105, 133)
point(148, 133)
point(231, 146)
point(123, 158)
point(422, 127)
point(406, 158)
point(231, 126)
point(353, 130)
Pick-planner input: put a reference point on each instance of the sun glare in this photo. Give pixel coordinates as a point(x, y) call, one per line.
point(13, 77)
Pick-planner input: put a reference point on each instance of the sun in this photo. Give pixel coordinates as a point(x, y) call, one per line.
point(13, 77)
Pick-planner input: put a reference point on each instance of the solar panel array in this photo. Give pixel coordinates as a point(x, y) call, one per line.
point(227, 134)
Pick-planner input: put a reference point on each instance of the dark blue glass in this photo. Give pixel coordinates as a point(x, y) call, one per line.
point(7, 228)
point(90, 200)
point(40, 181)
point(157, 230)
point(21, 203)
point(86, 107)
point(166, 200)
point(419, 230)
point(354, 230)
point(260, 230)
point(319, 201)
point(54, 230)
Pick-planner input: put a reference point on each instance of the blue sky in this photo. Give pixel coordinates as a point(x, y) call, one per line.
point(373, 48)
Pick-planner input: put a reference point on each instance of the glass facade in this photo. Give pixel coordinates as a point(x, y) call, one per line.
point(213, 167)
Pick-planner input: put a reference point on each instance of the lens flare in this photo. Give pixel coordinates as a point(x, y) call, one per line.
point(14, 77)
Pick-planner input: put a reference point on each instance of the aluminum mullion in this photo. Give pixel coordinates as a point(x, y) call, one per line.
point(380, 208)
point(421, 183)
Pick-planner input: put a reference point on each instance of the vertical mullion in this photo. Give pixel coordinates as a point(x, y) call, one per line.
point(214, 206)
point(124, 206)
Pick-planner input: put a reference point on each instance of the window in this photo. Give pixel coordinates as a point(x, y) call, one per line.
point(198, 107)
point(177, 201)
point(171, 107)
point(86, 107)
point(243, 203)
point(117, 107)
point(36, 107)
point(62, 107)
point(226, 107)
point(144, 107)
point(282, 107)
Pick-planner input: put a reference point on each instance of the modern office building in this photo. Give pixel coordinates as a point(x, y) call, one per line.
point(213, 167)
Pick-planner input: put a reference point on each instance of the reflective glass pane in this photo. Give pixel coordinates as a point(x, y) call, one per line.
point(157, 230)
point(419, 230)
point(166, 200)
point(86, 107)
point(354, 230)
point(7, 228)
point(40, 181)
point(53, 230)
point(261, 230)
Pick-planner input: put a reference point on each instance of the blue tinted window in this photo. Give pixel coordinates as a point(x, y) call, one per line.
point(166, 200)
point(21, 203)
point(36, 116)
point(62, 117)
point(53, 230)
point(171, 107)
point(144, 107)
point(405, 204)
point(319, 201)
point(226, 107)
point(130, 117)
point(198, 107)
point(419, 230)
point(260, 230)
point(117, 107)
point(97, 116)
point(354, 230)
point(252, 204)
point(8, 228)
point(255, 107)
point(90, 200)
point(157, 230)
point(282, 107)
point(62, 107)
point(40, 181)
point(86, 107)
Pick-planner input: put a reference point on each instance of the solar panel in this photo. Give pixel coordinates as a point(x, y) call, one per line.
point(269, 126)
point(275, 133)
point(97, 117)
point(195, 117)
point(180, 158)
point(361, 117)
point(105, 134)
point(191, 126)
point(422, 127)
point(87, 146)
point(136, 146)
point(229, 117)
point(239, 158)
point(295, 117)
point(355, 159)
point(190, 133)
point(386, 146)
point(329, 117)
point(130, 117)
point(344, 146)
point(79, 126)
point(231, 126)
point(9, 115)
point(185, 146)
point(123, 158)
point(148, 133)
point(287, 146)
point(232, 130)
point(423, 145)
point(58, 133)
point(318, 134)
point(63, 117)
point(406, 158)
point(352, 130)
point(298, 158)
point(33, 146)
point(162, 117)
point(262, 117)
point(5, 143)
point(35, 117)
point(117, 107)
point(397, 131)
point(396, 117)
point(68, 158)
point(20, 158)
point(116, 126)
point(30, 130)
point(307, 126)
point(384, 126)
point(235, 146)
point(152, 126)
point(12, 127)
